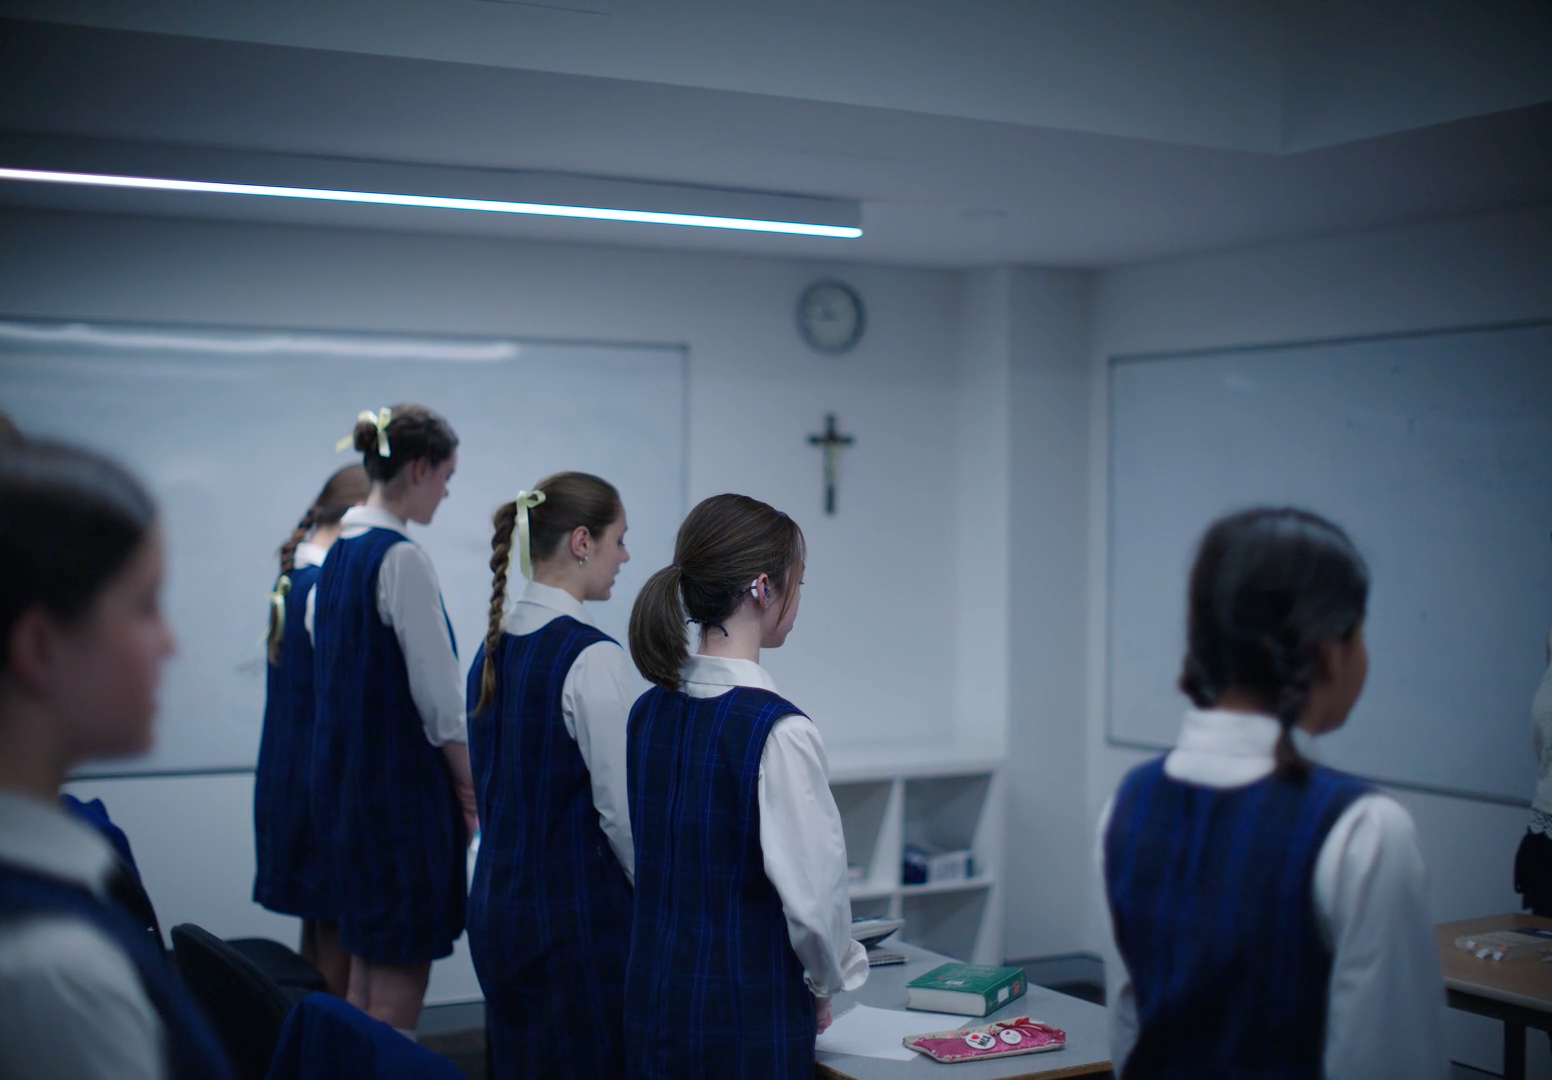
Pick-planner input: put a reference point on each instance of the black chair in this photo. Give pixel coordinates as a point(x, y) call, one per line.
point(280, 963)
point(245, 1006)
point(275, 960)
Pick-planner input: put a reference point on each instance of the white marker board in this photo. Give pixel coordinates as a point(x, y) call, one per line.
point(1434, 452)
point(234, 432)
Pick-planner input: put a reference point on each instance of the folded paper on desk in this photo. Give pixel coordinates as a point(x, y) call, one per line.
point(864, 1031)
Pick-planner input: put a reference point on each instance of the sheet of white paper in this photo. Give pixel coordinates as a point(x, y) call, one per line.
point(868, 1032)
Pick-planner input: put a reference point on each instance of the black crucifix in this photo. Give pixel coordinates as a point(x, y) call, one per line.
point(832, 441)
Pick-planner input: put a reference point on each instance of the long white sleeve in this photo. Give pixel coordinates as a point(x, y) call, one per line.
point(409, 600)
point(1118, 981)
point(596, 700)
point(1386, 1008)
point(805, 856)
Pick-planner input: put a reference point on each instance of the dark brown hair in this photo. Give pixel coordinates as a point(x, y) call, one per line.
point(725, 543)
point(1268, 588)
point(414, 432)
point(571, 500)
point(70, 520)
point(346, 488)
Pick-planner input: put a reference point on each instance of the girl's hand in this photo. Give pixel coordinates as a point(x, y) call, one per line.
point(822, 1012)
point(471, 813)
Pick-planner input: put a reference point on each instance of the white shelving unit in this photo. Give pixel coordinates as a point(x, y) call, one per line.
point(944, 801)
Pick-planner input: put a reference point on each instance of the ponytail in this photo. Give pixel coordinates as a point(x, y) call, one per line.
point(277, 599)
point(1296, 680)
point(505, 521)
point(346, 488)
point(298, 534)
point(391, 438)
point(726, 542)
point(277, 616)
point(657, 629)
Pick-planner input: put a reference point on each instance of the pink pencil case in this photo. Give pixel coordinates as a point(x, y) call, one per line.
point(1005, 1038)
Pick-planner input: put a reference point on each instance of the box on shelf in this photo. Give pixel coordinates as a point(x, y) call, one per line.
point(926, 864)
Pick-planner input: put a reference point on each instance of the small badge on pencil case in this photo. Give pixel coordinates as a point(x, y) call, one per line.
point(1005, 1038)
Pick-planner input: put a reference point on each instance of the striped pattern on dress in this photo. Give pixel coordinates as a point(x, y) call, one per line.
point(549, 910)
point(388, 822)
point(714, 987)
point(1211, 894)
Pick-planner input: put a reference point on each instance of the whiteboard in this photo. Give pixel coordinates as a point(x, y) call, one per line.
point(234, 432)
point(1434, 452)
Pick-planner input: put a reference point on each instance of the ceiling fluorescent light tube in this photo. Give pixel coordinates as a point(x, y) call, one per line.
point(491, 206)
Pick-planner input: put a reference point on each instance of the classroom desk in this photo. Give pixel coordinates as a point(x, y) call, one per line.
point(1088, 1039)
point(1518, 992)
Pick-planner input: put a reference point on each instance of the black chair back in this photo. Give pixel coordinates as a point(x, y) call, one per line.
point(244, 1005)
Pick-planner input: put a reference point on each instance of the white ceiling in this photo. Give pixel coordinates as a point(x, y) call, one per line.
point(938, 189)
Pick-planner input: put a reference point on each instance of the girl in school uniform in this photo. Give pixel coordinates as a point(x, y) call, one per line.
point(392, 797)
point(1270, 915)
point(83, 991)
point(290, 875)
point(550, 907)
point(741, 931)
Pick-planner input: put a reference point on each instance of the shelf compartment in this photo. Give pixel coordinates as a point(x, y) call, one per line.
point(870, 891)
point(980, 881)
point(945, 811)
point(947, 922)
point(870, 907)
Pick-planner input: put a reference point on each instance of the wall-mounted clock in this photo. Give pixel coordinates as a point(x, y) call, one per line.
point(830, 317)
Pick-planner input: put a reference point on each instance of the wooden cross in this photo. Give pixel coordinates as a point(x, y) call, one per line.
point(832, 441)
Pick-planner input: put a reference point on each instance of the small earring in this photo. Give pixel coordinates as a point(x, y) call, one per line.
point(582, 561)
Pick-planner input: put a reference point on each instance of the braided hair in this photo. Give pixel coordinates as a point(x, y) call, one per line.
point(1269, 587)
point(571, 500)
point(346, 488)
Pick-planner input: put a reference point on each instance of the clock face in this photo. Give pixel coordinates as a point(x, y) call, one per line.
point(830, 317)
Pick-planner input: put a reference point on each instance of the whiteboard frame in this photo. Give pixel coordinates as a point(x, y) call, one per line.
point(107, 771)
point(1114, 361)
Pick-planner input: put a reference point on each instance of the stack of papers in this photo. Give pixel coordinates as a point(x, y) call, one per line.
point(868, 1032)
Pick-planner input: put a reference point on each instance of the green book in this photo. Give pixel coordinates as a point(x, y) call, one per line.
point(967, 989)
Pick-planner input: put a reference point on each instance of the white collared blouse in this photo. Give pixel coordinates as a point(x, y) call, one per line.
point(71, 1001)
point(800, 832)
point(409, 600)
point(595, 702)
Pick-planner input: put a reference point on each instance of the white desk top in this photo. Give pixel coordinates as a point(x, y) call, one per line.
point(1088, 1038)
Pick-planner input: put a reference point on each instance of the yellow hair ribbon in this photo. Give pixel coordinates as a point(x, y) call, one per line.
point(277, 604)
point(525, 501)
point(379, 420)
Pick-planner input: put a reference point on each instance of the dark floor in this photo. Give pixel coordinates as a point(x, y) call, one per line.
point(465, 1049)
point(1082, 989)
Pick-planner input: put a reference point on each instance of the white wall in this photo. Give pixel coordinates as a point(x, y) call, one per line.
point(1457, 273)
point(878, 606)
point(1048, 857)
